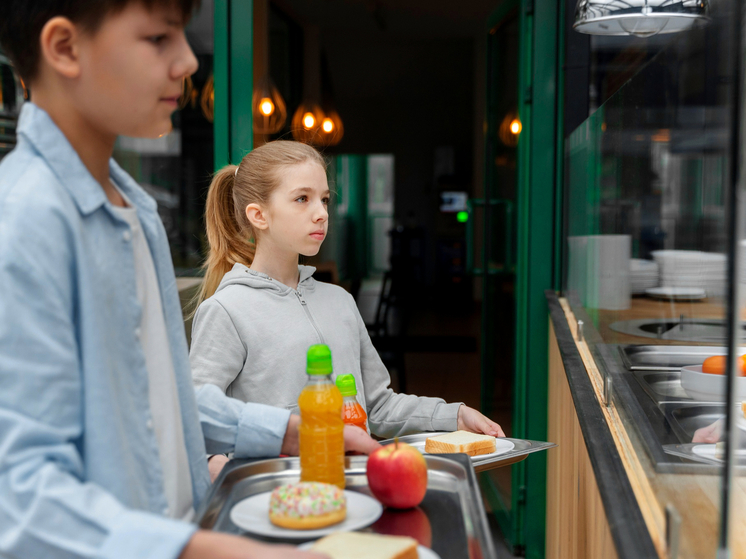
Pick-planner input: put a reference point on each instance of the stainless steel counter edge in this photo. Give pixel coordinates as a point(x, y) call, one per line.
point(628, 529)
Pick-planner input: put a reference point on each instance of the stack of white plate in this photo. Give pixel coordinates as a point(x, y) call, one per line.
point(692, 268)
point(643, 274)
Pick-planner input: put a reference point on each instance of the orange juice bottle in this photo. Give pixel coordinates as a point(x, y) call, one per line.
point(352, 412)
point(322, 452)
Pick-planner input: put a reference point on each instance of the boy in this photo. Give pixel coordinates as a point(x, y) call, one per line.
point(102, 440)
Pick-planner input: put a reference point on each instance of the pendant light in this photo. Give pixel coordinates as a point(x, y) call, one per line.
point(642, 18)
point(207, 99)
point(308, 117)
point(509, 130)
point(306, 123)
point(268, 108)
point(188, 93)
point(332, 129)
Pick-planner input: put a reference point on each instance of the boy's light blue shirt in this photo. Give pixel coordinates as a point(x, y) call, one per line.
point(79, 469)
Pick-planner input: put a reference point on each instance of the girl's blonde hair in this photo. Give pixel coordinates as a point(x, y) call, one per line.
point(229, 233)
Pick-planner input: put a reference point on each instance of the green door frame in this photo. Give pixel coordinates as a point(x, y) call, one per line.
point(539, 244)
point(539, 185)
point(233, 74)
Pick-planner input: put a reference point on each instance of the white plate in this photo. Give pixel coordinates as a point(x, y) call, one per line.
point(501, 447)
point(707, 451)
point(422, 551)
point(707, 387)
point(675, 293)
point(741, 423)
point(252, 515)
point(710, 451)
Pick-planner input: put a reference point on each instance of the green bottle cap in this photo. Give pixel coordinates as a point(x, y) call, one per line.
point(319, 360)
point(346, 385)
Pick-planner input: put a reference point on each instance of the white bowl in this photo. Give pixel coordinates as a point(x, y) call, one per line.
point(707, 387)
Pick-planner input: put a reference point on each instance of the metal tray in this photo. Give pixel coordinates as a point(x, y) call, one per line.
point(664, 387)
point(686, 419)
point(687, 451)
point(667, 357)
point(522, 449)
point(452, 507)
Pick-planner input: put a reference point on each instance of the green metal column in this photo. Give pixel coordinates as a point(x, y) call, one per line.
point(233, 72)
point(540, 112)
point(357, 214)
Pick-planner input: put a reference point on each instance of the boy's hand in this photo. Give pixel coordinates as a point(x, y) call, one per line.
point(215, 464)
point(470, 419)
point(290, 443)
point(213, 545)
point(356, 440)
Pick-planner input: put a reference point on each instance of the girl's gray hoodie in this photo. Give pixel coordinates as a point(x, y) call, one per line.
point(250, 339)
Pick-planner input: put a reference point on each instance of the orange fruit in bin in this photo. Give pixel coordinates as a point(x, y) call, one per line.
point(715, 365)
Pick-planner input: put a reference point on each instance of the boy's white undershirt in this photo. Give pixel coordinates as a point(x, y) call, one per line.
point(163, 394)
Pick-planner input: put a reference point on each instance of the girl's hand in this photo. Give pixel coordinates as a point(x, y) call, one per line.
point(470, 419)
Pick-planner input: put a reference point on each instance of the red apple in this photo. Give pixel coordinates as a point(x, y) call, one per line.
point(397, 475)
point(411, 522)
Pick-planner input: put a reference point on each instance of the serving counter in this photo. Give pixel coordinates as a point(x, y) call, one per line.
point(608, 494)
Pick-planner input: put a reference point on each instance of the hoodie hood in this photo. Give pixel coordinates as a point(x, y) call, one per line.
point(243, 275)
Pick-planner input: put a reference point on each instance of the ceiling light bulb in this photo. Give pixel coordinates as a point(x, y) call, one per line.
point(327, 125)
point(643, 26)
point(266, 106)
point(515, 126)
point(308, 121)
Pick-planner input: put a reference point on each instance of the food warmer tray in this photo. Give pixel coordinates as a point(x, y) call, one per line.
point(687, 451)
point(519, 452)
point(453, 509)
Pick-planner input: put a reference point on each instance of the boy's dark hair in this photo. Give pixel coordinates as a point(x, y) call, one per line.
point(22, 21)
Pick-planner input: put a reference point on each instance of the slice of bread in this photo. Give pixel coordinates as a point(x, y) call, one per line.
point(359, 545)
point(460, 441)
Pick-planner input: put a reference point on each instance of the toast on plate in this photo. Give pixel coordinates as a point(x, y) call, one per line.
point(460, 441)
point(359, 545)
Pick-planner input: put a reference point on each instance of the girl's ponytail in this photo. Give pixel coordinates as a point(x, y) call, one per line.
point(229, 242)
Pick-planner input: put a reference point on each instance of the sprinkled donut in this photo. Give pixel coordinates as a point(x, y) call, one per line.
point(307, 505)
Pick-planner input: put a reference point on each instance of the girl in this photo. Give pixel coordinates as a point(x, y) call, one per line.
point(259, 311)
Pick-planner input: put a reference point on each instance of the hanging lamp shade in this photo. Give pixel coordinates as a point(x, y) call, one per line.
point(332, 129)
point(269, 113)
point(642, 18)
point(510, 129)
point(207, 99)
point(306, 123)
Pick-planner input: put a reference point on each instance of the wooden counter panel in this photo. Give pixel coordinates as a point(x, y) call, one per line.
point(576, 521)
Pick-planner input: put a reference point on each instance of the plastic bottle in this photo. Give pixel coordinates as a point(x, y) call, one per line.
point(321, 427)
point(352, 412)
